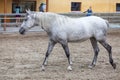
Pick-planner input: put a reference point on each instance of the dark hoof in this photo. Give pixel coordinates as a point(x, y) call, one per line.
point(114, 66)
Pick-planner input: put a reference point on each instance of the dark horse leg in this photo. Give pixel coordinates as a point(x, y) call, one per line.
point(66, 49)
point(50, 48)
point(96, 51)
point(108, 48)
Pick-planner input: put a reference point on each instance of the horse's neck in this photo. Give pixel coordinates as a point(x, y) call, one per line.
point(46, 21)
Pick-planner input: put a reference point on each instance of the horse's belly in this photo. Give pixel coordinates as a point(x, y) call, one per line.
point(73, 38)
point(77, 40)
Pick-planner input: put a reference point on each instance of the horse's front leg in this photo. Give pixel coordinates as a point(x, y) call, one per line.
point(49, 50)
point(66, 49)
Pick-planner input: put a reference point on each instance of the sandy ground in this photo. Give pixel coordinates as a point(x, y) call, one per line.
point(21, 58)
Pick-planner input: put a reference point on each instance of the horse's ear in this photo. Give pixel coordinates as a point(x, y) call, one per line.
point(28, 11)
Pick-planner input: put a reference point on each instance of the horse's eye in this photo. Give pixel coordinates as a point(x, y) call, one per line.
point(25, 19)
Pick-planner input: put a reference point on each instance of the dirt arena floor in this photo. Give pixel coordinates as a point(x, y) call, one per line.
point(21, 58)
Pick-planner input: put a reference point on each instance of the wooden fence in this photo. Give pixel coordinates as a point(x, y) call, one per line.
point(8, 20)
point(111, 17)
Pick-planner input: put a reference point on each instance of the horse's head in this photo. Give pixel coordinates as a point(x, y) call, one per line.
point(28, 23)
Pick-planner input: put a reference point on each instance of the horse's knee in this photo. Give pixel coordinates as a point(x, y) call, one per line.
point(111, 61)
point(96, 50)
point(68, 55)
point(47, 54)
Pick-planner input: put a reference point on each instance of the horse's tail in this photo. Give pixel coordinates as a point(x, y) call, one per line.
point(107, 23)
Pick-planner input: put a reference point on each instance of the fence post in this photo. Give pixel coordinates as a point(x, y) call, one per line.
point(5, 23)
point(5, 10)
point(47, 5)
point(0, 23)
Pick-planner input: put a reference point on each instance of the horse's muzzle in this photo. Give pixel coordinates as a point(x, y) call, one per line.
point(22, 31)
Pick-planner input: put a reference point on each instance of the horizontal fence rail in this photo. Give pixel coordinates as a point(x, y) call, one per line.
point(8, 20)
point(111, 17)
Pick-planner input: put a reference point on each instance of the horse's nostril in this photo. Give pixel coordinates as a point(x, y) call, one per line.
point(22, 30)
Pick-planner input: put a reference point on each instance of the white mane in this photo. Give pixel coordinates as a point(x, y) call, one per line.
point(49, 19)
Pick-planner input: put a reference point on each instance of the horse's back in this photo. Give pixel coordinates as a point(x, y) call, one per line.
point(86, 27)
point(94, 21)
point(77, 29)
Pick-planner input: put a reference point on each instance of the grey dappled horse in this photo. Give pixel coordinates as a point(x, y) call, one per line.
point(62, 29)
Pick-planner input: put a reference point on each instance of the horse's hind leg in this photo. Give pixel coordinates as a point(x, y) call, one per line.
point(96, 50)
point(109, 49)
point(50, 48)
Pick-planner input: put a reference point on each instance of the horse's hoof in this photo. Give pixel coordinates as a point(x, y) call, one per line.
point(114, 66)
point(69, 68)
point(91, 66)
point(43, 68)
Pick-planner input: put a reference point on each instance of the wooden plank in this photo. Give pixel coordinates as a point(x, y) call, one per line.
point(5, 10)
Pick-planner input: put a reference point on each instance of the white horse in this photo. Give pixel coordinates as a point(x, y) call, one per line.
point(62, 29)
